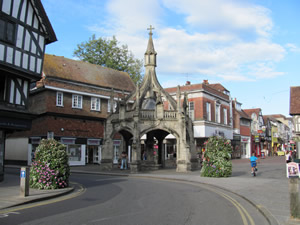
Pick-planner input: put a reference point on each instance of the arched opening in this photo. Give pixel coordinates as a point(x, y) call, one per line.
point(122, 141)
point(158, 150)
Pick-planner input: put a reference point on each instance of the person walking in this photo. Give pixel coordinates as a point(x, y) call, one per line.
point(123, 161)
point(288, 157)
point(253, 160)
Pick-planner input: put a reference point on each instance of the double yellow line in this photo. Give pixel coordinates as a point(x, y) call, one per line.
point(246, 218)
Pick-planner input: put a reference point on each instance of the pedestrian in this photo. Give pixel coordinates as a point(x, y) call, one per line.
point(124, 161)
point(294, 155)
point(253, 160)
point(288, 157)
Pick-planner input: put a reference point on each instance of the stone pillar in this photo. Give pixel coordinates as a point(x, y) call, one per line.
point(135, 165)
point(107, 156)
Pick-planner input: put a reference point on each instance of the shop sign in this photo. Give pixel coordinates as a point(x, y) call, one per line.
point(35, 140)
point(68, 141)
point(245, 139)
point(117, 142)
point(93, 141)
point(256, 138)
point(292, 170)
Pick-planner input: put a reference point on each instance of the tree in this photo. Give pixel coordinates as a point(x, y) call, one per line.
point(217, 157)
point(107, 53)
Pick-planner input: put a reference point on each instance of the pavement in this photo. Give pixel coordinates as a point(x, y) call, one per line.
point(268, 191)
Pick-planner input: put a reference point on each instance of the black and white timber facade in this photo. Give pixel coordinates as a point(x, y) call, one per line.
point(25, 30)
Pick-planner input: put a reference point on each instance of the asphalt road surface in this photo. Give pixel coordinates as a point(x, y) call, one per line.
point(137, 201)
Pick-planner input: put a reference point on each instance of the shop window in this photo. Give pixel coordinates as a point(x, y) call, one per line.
point(74, 152)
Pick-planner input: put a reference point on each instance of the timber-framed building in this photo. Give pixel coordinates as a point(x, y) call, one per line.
point(24, 32)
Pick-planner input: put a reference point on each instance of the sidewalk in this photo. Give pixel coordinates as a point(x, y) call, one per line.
point(268, 191)
point(10, 192)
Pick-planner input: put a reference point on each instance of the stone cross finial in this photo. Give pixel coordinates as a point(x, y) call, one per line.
point(150, 28)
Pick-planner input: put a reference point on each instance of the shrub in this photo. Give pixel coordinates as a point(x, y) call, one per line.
point(217, 157)
point(50, 169)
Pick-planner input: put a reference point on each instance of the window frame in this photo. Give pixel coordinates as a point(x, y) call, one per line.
point(10, 39)
point(61, 100)
point(218, 113)
point(208, 111)
point(225, 116)
point(78, 103)
point(95, 106)
point(191, 104)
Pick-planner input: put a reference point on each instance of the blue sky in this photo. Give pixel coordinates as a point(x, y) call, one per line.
point(251, 47)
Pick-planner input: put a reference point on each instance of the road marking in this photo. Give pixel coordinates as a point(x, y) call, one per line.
point(47, 202)
point(7, 214)
point(242, 211)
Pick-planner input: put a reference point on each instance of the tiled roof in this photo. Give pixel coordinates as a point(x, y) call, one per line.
point(73, 70)
point(295, 100)
point(244, 115)
point(250, 111)
point(215, 88)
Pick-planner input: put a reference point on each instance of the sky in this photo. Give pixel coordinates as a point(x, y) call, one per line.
point(251, 47)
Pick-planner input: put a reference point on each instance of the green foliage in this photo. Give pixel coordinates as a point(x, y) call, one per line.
point(50, 169)
point(107, 53)
point(217, 157)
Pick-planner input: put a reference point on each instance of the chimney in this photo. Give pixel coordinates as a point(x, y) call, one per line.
point(188, 83)
point(205, 81)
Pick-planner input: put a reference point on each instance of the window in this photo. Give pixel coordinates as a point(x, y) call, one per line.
point(77, 101)
point(208, 111)
point(7, 31)
point(225, 116)
point(108, 106)
point(191, 110)
point(297, 124)
point(95, 104)
point(59, 99)
point(218, 116)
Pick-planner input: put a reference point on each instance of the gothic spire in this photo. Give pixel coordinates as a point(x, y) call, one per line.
point(150, 54)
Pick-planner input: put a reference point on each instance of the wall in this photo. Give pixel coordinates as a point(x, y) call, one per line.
point(16, 149)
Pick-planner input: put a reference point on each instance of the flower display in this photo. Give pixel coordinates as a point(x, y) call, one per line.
point(217, 158)
point(50, 170)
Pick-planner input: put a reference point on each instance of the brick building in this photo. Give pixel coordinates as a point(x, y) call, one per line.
point(72, 102)
point(241, 142)
point(258, 135)
point(209, 106)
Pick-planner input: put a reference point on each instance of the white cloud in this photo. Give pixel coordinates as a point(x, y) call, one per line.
point(223, 14)
point(292, 47)
point(215, 41)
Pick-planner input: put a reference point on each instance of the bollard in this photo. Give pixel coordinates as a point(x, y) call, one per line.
point(24, 181)
point(294, 198)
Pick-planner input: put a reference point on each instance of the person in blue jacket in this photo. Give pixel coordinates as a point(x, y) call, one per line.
point(253, 160)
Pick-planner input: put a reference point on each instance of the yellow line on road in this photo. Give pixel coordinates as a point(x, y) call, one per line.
point(46, 202)
point(242, 211)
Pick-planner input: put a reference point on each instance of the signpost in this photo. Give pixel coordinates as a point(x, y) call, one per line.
point(24, 181)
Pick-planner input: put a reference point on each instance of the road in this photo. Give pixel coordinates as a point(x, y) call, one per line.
point(122, 200)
